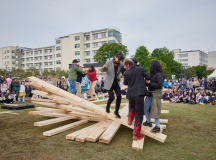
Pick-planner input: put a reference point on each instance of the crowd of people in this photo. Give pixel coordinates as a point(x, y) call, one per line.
point(191, 90)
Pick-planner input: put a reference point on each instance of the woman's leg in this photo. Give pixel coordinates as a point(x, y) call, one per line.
point(147, 106)
point(93, 87)
point(110, 100)
point(118, 100)
point(157, 122)
point(90, 88)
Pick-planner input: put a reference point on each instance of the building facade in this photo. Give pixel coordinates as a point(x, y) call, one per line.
point(190, 58)
point(212, 59)
point(81, 46)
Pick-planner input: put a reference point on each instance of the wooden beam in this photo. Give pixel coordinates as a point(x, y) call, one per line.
point(104, 100)
point(82, 137)
point(64, 128)
point(47, 111)
point(73, 135)
point(52, 121)
point(164, 111)
point(138, 144)
point(42, 108)
point(94, 136)
point(88, 105)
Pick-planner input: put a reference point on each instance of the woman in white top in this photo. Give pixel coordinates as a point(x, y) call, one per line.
point(4, 87)
point(22, 91)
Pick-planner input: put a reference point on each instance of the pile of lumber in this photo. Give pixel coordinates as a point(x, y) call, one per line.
point(66, 106)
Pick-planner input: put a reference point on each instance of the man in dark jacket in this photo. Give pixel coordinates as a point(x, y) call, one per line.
point(59, 83)
point(16, 88)
point(134, 78)
point(79, 80)
point(203, 82)
point(213, 85)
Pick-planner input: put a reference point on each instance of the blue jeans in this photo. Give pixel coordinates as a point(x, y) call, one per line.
point(203, 100)
point(72, 86)
point(147, 106)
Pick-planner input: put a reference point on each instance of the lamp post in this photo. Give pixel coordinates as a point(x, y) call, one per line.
point(108, 54)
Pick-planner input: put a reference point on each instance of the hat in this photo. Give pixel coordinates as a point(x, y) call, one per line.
point(75, 61)
point(63, 77)
point(81, 65)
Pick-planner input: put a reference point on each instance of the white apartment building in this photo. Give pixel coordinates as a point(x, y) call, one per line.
point(81, 46)
point(190, 58)
point(212, 59)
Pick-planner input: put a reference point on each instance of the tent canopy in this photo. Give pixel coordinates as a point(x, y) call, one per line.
point(213, 75)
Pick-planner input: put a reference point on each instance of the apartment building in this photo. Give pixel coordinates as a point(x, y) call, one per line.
point(191, 58)
point(212, 59)
point(83, 46)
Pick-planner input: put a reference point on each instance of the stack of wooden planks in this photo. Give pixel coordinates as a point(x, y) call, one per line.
point(65, 106)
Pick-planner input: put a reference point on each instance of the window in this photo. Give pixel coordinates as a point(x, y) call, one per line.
point(77, 45)
point(50, 63)
point(93, 60)
point(95, 36)
point(185, 64)
point(184, 55)
point(13, 51)
point(87, 53)
point(8, 57)
point(87, 45)
point(78, 60)
point(183, 60)
point(95, 44)
point(112, 41)
point(7, 62)
point(115, 34)
point(87, 38)
point(87, 60)
point(13, 57)
point(94, 52)
point(77, 38)
point(5, 51)
point(103, 35)
point(58, 62)
point(13, 67)
point(103, 42)
point(58, 48)
point(8, 51)
point(46, 63)
point(45, 57)
point(77, 53)
point(58, 55)
point(13, 62)
point(58, 42)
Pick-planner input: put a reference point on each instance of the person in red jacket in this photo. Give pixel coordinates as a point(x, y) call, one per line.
point(93, 80)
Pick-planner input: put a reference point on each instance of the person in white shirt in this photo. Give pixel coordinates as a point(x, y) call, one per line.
point(49, 81)
point(85, 95)
point(22, 91)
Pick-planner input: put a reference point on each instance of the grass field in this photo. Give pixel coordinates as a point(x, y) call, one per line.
point(191, 134)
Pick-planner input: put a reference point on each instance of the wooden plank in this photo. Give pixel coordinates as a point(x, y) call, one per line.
point(104, 105)
point(138, 144)
point(64, 128)
point(73, 135)
point(161, 120)
point(110, 132)
point(52, 121)
point(47, 111)
point(42, 108)
point(162, 101)
point(82, 137)
point(44, 86)
point(94, 136)
point(164, 111)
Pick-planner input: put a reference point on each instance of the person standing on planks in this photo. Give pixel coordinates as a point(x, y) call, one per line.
point(134, 78)
point(112, 82)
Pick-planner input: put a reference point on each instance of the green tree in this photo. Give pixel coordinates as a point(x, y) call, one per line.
point(200, 70)
point(53, 73)
point(27, 74)
point(34, 71)
point(103, 52)
point(45, 73)
point(190, 72)
point(143, 56)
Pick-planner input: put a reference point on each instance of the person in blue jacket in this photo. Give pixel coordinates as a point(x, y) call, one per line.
point(204, 82)
point(165, 83)
point(182, 85)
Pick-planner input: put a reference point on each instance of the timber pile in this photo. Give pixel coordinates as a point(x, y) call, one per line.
point(66, 106)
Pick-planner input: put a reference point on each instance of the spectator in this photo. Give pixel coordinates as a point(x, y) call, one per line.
point(9, 80)
point(202, 89)
point(73, 75)
point(45, 79)
point(168, 96)
point(195, 83)
point(189, 84)
point(85, 95)
point(2, 99)
point(16, 88)
point(170, 83)
point(204, 99)
point(28, 91)
point(182, 84)
point(212, 99)
point(79, 80)
point(165, 83)
point(102, 85)
point(193, 99)
point(180, 92)
point(198, 96)
point(213, 85)
point(49, 81)
point(22, 91)
point(176, 97)
point(9, 97)
point(203, 82)
point(98, 86)
point(64, 84)
point(164, 95)
point(185, 98)
point(59, 83)
point(4, 87)
point(93, 80)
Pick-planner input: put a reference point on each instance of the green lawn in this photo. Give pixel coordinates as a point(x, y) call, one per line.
point(191, 135)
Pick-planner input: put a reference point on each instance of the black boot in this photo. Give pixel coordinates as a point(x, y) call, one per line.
point(147, 124)
point(117, 115)
point(155, 130)
point(107, 109)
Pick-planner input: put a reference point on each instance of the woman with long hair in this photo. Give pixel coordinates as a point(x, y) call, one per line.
point(93, 80)
point(154, 100)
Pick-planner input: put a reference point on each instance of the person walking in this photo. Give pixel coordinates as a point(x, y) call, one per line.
point(72, 75)
point(79, 80)
point(152, 106)
point(112, 82)
point(93, 80)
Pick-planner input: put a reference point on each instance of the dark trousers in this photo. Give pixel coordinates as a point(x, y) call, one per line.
point(112, 97)
point(9, 100)
point(136, 109)
point(17, 95)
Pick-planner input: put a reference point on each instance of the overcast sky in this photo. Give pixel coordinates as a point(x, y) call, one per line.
point(184, 24)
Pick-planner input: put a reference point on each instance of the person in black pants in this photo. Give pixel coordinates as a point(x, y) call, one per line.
point(134, 78)
point(112, 81)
